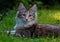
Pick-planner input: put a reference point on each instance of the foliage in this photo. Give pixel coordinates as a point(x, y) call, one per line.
point(9, 4)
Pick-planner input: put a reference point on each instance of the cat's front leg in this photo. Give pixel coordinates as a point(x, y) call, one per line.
point(23, 32)
point(18, 33)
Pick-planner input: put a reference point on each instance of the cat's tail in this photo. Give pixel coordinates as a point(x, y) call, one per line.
point(12, 32)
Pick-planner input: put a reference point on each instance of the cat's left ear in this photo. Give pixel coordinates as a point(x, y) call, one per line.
point(33, 8)
point(21, 7)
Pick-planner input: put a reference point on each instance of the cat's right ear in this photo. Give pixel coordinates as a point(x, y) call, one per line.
point(33, 8)
point(21, 7)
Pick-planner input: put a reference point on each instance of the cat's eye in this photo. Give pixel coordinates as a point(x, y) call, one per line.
point(23, 14)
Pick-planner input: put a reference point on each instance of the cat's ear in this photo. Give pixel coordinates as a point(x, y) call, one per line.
point(33, 8)
point(21, 7)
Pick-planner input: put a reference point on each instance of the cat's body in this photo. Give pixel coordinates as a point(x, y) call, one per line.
point(46, 30)
point(40, 30)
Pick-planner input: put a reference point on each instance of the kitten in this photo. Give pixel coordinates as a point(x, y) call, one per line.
point(24, 18)
point(26, 24)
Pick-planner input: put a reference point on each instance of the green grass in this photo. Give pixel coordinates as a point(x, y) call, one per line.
point(44, 17)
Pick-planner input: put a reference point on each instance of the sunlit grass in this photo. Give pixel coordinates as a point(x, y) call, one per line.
point(49, 16)
point(56, 16)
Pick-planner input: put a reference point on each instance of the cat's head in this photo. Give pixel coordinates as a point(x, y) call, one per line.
point(27, 15)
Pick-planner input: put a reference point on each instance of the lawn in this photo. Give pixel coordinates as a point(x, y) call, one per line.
point(44, 17)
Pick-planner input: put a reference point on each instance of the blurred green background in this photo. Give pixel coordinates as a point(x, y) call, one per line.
point(48, 9)
point(48, 12)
